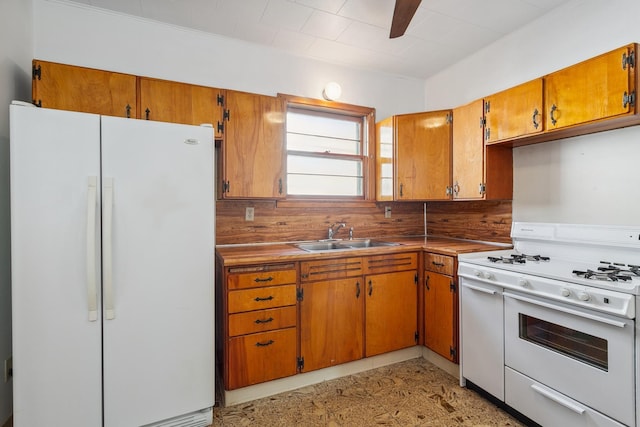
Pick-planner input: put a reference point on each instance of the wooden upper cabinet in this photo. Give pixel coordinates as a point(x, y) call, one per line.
point(253, 147)
point(515, 112)
point(176, 102)
point(384, 160)
point(468, 151)
point(420, 147)
point(599, 88)
point(480, 172)
point(67, 87)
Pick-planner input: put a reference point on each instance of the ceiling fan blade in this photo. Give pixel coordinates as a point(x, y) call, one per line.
point(402, 14)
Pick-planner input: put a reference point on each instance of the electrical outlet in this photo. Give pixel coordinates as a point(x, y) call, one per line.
point(248, 214)
point(387, 211)
point(8, 369)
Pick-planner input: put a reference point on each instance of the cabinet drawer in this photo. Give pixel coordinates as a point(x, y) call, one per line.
point(439, 263)
point(390, 263)
point(262, 320)
point(265, 277)
point(261, 357)
point(259, 298)
point(330, 269)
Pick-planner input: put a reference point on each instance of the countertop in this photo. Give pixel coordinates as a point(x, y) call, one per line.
point(233, 255)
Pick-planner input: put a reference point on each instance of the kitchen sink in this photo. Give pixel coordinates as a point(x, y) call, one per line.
point(342, 245)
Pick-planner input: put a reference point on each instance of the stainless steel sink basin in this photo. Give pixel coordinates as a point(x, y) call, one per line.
point(342, 245)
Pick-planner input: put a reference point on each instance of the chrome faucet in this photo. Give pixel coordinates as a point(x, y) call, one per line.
point(332, 232)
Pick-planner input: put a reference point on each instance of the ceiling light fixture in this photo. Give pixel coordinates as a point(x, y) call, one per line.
point(332, 91)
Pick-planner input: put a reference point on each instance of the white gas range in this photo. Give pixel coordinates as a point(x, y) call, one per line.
point(549, 328)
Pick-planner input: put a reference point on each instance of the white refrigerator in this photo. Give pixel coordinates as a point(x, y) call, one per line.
point(112, 246)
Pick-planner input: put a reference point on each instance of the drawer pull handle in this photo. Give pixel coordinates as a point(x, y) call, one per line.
point(437, 264)
point(269, 298)
point(264, 344)
point(258, 280)
point(370, 288)
point(426, 283)
point(357, 289)
point(261, 321)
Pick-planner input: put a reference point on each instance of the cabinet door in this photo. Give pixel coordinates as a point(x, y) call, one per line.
point(331, 322)
point(175, 102)
point(67, 87)
point(423, 156)
point(261, 357)
point(515, 112)
point(439, 315)
point(384, 160)
point(391, 312)
point(468, 151)
point(253, 147)
point(588, 91)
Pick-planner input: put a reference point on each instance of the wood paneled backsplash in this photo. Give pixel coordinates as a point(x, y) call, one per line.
point(482, 220)
point(287, 221)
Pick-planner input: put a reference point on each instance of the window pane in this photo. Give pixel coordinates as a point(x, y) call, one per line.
point(315, 185)
point(321, 144)
point(339, 126)
point(323, 166)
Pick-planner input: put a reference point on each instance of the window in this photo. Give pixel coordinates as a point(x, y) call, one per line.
point(328, 150)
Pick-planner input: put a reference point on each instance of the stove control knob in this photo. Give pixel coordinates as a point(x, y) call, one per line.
point(487, 275)
point(565, 292)
point(583, 296)
point(477, 273)
point(523, 282)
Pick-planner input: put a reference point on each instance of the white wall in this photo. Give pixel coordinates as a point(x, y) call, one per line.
point(590, 179)
point(75, 34)
point(16, 51)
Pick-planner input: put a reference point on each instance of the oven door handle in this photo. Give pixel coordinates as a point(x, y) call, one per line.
point(480, 289)
point(566, 310)
point(559, 399)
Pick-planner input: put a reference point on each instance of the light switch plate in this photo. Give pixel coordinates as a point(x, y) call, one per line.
point(387, 211)
point(248, 214)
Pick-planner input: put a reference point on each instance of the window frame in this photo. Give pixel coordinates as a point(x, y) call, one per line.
point(367, 114)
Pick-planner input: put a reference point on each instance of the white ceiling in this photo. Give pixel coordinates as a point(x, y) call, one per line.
point(350, 32)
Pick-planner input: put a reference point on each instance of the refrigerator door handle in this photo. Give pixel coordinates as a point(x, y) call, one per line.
point(107, 258)
point(92, 200)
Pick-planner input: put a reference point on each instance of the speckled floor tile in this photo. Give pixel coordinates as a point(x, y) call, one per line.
point(411, 393)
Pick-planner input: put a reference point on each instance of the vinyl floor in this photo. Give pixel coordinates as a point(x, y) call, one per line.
point(411, 393)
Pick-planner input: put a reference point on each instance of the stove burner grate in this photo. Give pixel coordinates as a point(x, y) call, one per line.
point(611, 271)
point(517, 259)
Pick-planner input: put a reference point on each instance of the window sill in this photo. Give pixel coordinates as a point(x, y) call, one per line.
point(354, 204)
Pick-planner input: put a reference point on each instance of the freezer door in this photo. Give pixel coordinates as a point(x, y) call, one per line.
point(55, 249)
point(158, 324)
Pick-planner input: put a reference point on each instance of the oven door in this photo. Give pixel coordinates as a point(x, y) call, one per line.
point(586, 355)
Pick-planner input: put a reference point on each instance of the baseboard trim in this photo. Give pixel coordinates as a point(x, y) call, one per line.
point(258, 391)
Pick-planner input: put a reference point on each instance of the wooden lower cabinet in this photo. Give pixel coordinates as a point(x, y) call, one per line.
point(331, 323)
point(391, 312)
point(258, 319)
point(261, 357)
point(441, 306)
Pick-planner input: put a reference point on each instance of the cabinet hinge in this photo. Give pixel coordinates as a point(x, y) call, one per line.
point(449, 190)
point(300, 364)
point(487, 134)
point(225, 186)
point(300, 294)
point(452, 352)
point(416, 336)
point(628, 99)
point(449, 119)
point(629, 60)
point(452, 286)
point(220, 127)
point(415, 278)
point(36, 72)
point(220, 99)
point(483, 121)
point(482, 188)
point(487, 106)
point(226, 115)
point(280, 186)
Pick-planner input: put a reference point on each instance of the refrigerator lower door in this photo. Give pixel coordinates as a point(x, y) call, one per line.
point(158, 327)
point(55, 268)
